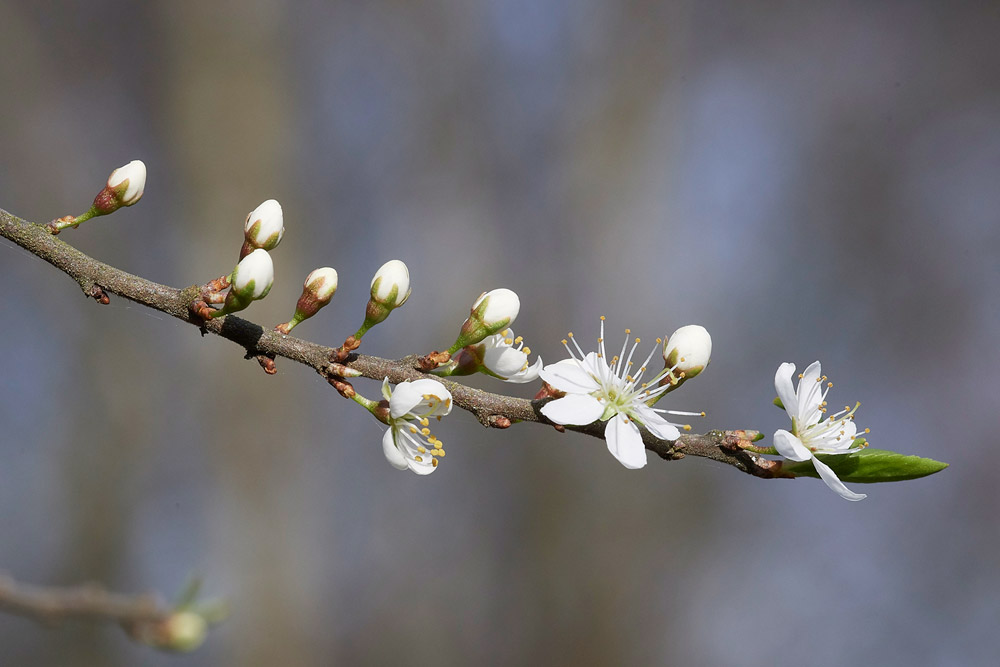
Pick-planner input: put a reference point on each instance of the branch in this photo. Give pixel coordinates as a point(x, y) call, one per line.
point(144, 617)
point(97, 280)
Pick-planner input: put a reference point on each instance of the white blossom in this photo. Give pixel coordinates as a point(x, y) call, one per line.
point(409, 442)
point(811, 434)
point(505, 355)
point(502, 307)
point(599, 389)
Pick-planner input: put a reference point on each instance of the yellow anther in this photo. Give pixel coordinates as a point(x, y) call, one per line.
point(564, 341)
point(413, 429)
point(702, 413)
point(508, 341)
point(628, 331)
point(659, 340)
point(683, 373)
point(687, 427)
point(425, 431)
point(418, 459)
point(800, 376)
point(526, 350)
point(519, 339)
point(683, 359)
point(829, 384)
point(424, 421)
point(868, 430)
point(422, 450)
point(434, 463)
point(570, 334)
point(638, 340)
point(441, 454)
point(602, 317)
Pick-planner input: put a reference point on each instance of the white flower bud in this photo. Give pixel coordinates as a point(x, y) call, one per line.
point(391, 284)
point(264, 226)
point(184, 631)
point(502, 307)
point(688, 350)
point(322, 283)
point(135, 173)
point(254, 275)
point(318, 289)
point(493, 311)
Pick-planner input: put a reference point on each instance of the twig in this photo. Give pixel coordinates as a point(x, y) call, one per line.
point(492, 410)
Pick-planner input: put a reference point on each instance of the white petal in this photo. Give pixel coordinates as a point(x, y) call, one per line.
point(504, 361)
point(809, 395)
point(656, 424)
point(786, 392)
point(392, 454)
point(574, 409)
point(790, 447)
point(831, 479)
point(408, 395)
point(529, 374)
point(625, 442)
point(567, 375)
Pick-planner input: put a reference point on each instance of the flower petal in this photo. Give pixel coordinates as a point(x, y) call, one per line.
point(392, 454)
point(790, 447)
point(625, 442)
point(831, 479)
point(504, 361)
point(810, 396)
point(529, 374)
point(656, 424)
point(574, 409)
point(567, 375)
point(786, 392)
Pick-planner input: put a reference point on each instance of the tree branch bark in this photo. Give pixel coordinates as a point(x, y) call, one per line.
point(97, 280)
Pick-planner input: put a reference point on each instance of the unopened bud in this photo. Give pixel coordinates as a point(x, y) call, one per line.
point(493, 311)
point(264, 228)
point(123, 188)
point(390, 290)
point(318, 289)
point(185, 631)
point(687, 351)
point(251, 281)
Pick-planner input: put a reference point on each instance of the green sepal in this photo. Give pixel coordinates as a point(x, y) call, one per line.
point(777, 401)
point(869, 466)
point(189, 594)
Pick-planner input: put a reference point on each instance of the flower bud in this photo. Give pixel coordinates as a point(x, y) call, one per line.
point(251, 280)
point(123, 188)
point(127, 184)
point(264, 228)
point(318, 289)
point(390, 289)
point(492, 312)
point(184, 631)
point(687, 351)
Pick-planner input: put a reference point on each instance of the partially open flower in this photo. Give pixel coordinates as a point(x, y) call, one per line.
point(128, 183)
point(264, 228)
point(409, 443)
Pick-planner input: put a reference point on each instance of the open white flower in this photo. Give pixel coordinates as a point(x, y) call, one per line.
point(505, 355)
point(811, 434)
point(409, 442)
point(599, 389)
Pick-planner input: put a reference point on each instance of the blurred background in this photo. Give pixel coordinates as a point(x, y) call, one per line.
point(806, 181)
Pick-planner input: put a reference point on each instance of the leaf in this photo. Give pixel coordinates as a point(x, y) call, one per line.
point(869, 466)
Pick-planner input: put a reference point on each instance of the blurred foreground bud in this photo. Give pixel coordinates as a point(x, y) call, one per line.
point(687, 352)
point(317, 291)
point(251, 281)
point(390, 290)
point(492, 312)
point(124, 188)
point(264, 228)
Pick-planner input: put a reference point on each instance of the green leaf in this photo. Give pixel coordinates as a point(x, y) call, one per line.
point(777, 401)
point(869, 466)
